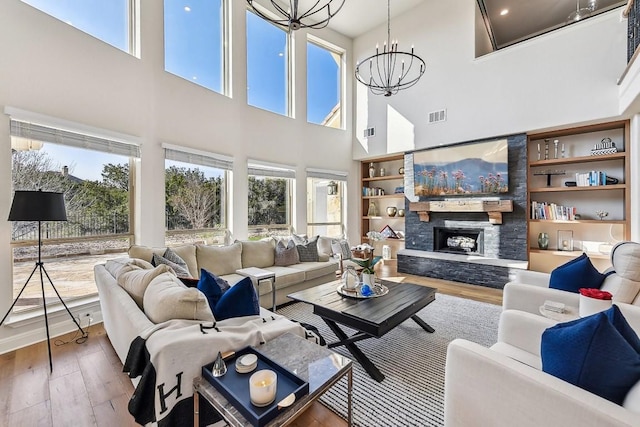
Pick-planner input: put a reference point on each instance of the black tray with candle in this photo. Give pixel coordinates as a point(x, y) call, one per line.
point(234, 386)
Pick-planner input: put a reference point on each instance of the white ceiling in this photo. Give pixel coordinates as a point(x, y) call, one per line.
point(359, 16)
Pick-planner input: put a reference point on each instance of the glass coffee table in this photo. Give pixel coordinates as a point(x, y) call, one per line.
point(317, 365)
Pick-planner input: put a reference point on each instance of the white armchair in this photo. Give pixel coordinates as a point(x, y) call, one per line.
point(531, 289)
point(504, 386)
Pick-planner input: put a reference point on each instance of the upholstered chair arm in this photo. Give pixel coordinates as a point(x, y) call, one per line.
point(529, 298)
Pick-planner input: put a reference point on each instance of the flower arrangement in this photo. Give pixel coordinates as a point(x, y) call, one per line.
point(374, 236)
point(595, 293)
point(363, 256)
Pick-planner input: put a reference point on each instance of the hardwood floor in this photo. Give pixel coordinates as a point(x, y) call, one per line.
point(88, 388)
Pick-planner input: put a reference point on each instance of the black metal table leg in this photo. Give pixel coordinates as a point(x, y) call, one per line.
point(364, 361)
point(423, 324)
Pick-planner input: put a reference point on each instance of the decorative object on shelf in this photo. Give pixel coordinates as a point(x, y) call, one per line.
point(562, 151)
point(577, 217)
point(605, 146)
point(538, 151)
point(291, 15)
point(401, 170)
point(373, 209)
point(549, 174)
point(398, 190)
point(602, 214)
point(372, 170)
point(388, 232)
point(582, 12)
point(219, 367)
point(593, 301)
point(543, 241)
point(555, 148)
point(565, 240)
point(392, 210)
point(332, 188)
point(386, 252)
point(382, 75)
point(349, 278)
point(546, 149)
point(400, 212)
point(382, 171)
point(374, 236)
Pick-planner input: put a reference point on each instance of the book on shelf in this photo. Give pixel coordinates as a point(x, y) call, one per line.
point(591, 178)
point(552, 211)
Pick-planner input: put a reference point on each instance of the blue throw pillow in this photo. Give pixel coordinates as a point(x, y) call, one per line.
point(620, 323)
point(212, 287)
point(592, 354)
point(577, 273)
point(240, 300)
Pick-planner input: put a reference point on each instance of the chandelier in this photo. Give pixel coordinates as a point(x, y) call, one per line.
point(391, 70)
point(581, 13)
point(296, 14)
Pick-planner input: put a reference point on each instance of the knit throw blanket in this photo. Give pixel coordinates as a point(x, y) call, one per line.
point(168, 356)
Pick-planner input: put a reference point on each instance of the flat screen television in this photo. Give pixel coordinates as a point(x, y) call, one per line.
point(462, 169)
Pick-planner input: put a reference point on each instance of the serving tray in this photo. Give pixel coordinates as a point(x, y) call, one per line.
point(378, 291)
point(234, 387)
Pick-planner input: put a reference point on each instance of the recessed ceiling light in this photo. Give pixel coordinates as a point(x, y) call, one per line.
point(187, 9)
point(504, 12)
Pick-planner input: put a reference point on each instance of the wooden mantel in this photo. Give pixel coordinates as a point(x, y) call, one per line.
point(493, 208)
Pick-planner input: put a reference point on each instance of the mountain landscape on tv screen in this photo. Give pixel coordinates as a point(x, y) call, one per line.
point(466, 176)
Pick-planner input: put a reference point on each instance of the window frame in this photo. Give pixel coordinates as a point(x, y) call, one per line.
point(341, 178)
point(269, 170)
point(332, 48)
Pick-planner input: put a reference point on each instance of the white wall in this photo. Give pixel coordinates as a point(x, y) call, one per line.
point(562, 78)
point(51, 68)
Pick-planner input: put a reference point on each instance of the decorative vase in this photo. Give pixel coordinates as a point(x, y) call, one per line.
point(372, 171)
point(589, 306)
point(400, 212)
point(349, 278)
point(543, 241)
point(367, 278)
point(392, 210)
point(401, 170)
point(386, 252)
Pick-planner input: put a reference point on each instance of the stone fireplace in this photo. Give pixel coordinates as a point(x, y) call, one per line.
point(498, 249)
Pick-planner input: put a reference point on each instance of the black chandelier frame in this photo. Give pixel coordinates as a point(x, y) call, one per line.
point(316, 17)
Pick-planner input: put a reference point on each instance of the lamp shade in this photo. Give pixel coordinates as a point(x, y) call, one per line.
point(37, 206)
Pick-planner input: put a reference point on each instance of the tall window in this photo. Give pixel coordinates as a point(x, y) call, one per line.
point(270, 200)
point(194, 41)
point(195, 196)
point(107, 20)
point(93, 173)
point(325, 203)
point(267, 65)
point(324, 82)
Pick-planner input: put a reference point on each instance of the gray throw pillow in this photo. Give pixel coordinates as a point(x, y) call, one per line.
point(299, 239)
point(341, 246)
point(286, 254)
point(308, 251)
point(179, 266)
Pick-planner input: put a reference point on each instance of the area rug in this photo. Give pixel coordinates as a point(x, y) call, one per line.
point(412, 360)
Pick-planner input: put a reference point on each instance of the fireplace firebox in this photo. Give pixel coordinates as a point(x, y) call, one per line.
point(467, 241)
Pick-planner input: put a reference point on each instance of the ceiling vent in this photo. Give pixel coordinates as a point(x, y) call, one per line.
point(437, 116)
point(369, 132)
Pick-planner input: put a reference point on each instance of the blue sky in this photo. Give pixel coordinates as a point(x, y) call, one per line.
point(192, 51)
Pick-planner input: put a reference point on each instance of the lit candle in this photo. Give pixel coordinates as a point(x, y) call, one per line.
point(262, 387)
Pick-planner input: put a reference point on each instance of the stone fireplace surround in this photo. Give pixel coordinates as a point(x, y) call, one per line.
point(505, 245)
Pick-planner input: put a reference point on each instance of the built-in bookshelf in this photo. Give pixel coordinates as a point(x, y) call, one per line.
point(578, 186)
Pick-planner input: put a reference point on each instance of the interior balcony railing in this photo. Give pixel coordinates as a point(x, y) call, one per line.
point(632, 12)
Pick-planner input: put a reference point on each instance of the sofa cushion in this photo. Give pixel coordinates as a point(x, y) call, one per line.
point(624, 285)
point(575, 274)
point(212, 287)
point(136, 281)
point(342, 247)
point(308, 251)
point(114, 266)
point(632, 399)
point(186, 252)
point(167, 298)
point(257, 253)
point(592, 354)
point(220, 260)
point(287, 276)
point(324, 247)
point(313, 270)
point(286, 254)
point(238, 301)
point(179, 266)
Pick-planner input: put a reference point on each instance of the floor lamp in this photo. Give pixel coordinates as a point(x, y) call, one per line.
point(40, 206)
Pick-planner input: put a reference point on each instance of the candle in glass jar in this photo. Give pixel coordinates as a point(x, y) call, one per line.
point(262, 387)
